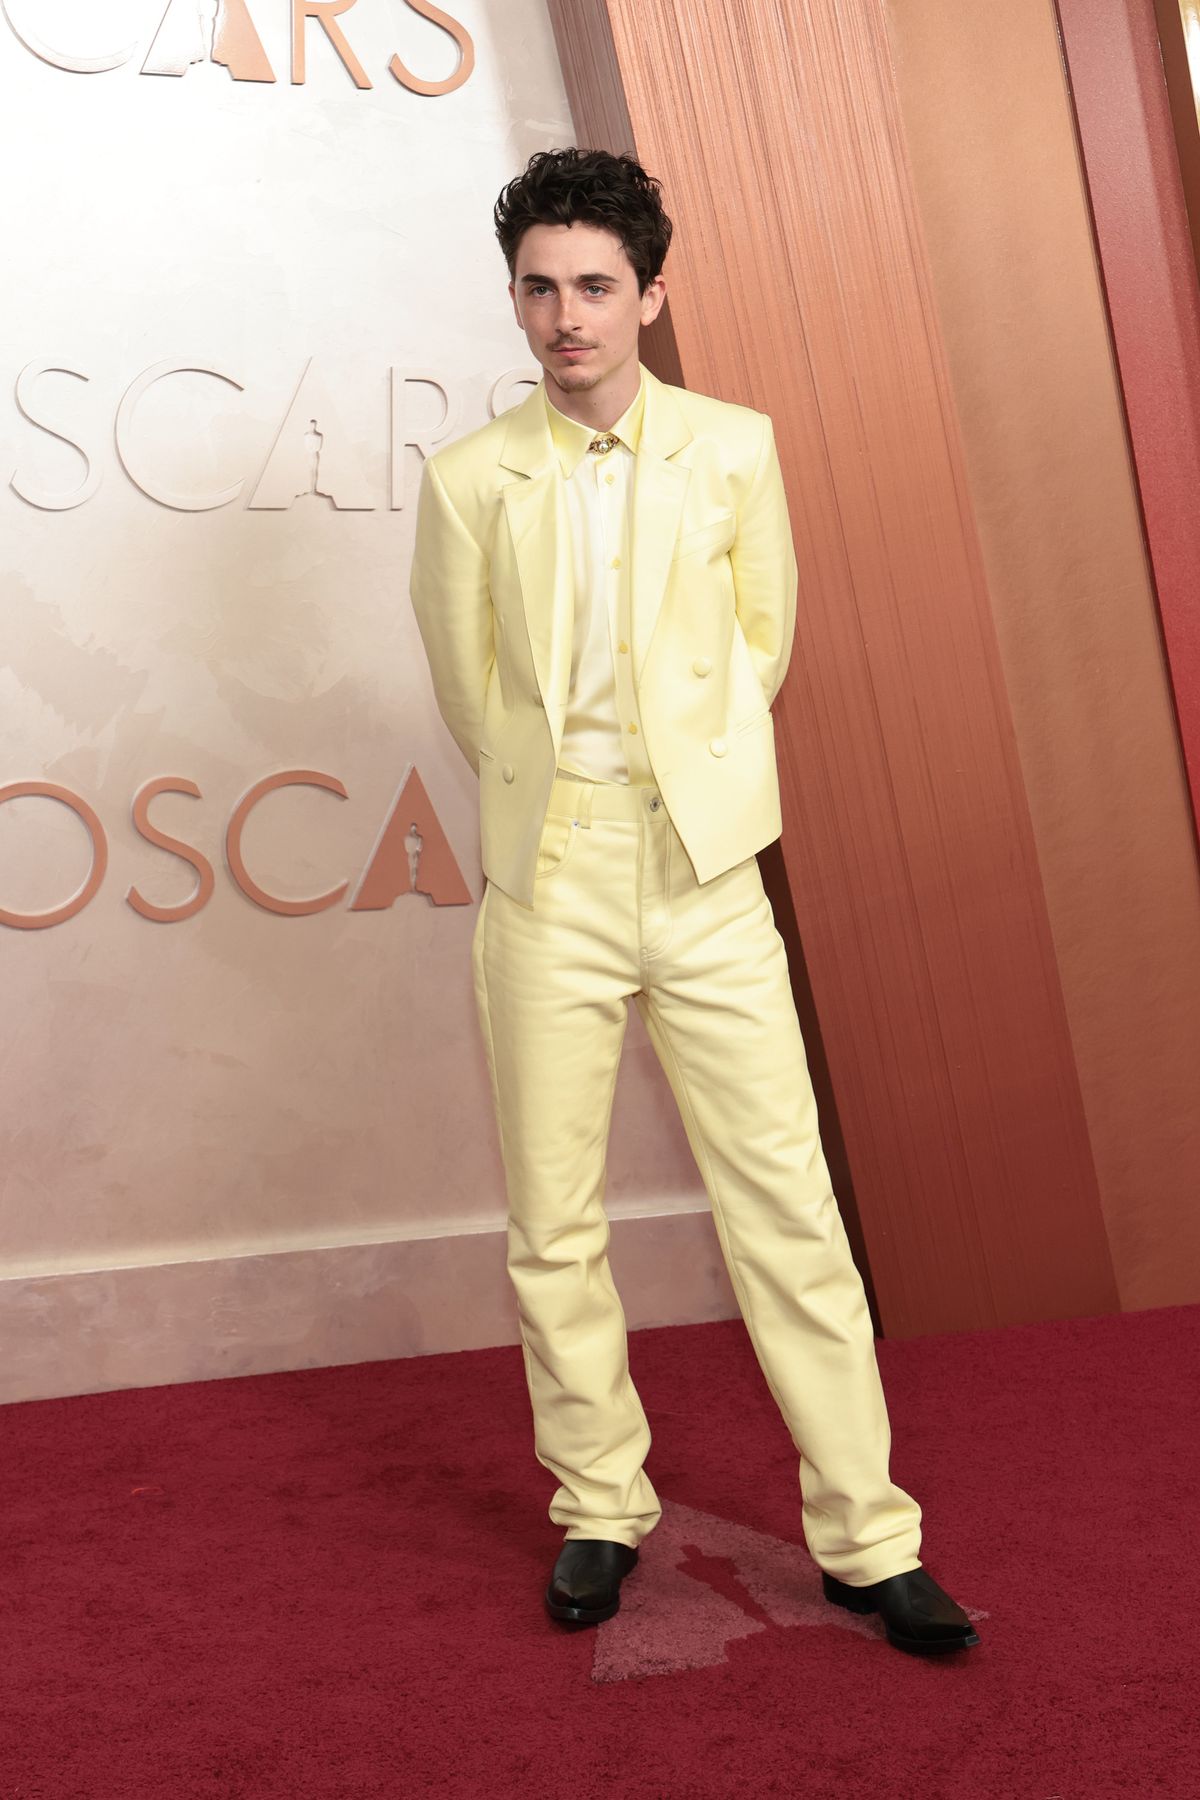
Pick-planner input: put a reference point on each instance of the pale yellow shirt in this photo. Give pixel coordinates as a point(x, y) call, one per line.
point(602, 733)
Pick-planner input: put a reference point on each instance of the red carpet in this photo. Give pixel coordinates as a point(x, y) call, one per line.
point(328, 1584)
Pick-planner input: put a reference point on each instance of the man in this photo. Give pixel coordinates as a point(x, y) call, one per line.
point(605, 585)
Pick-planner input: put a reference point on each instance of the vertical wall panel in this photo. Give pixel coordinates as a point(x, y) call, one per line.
point(799, 285)
point(1133, 172)
point(991, 145)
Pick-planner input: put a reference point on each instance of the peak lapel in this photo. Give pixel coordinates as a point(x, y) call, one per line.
point(659, 490)
point(535, 507)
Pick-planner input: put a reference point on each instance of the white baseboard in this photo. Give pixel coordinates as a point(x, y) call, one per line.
point(87, 1331)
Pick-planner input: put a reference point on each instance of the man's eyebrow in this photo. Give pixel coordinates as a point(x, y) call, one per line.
point(548, 280)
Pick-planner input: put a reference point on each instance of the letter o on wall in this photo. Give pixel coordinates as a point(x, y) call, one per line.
point(53, 791)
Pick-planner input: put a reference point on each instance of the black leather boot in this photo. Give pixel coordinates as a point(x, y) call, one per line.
point(586, 1584)
point(919, 1615)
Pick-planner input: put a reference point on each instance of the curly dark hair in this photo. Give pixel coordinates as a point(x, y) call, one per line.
point(589, 187)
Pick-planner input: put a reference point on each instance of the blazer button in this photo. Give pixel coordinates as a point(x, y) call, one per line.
point(508, 771)
point(701, 666)
point(718, 746)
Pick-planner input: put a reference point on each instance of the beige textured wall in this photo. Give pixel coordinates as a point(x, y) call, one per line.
point(1003, 209)
point(243, 1082)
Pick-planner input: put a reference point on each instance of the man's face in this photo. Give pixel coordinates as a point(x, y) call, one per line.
point(575, 294)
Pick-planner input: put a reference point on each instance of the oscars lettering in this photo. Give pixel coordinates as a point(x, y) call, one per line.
point(191, 32)
point(411, 854)
point(311, 455)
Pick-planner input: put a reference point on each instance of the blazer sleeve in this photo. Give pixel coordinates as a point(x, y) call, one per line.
point(765, 575)
point(452, 599)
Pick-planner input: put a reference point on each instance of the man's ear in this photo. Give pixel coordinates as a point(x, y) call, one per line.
point(653, 299)
point(512, 294)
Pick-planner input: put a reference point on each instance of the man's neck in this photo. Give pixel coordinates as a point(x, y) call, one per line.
point(600, 407)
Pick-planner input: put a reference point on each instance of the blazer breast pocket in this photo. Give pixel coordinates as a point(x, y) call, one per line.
point(713, 538)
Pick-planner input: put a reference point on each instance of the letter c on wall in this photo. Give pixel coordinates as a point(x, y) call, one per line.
point(124, 432)
point(62, 59)
point(233, 842)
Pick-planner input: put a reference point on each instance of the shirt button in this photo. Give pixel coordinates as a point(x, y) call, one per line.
point(616, 562)
point(623, 647)
point(718, 746)
point(701, 666)
point(633, 728)
point(610, 479)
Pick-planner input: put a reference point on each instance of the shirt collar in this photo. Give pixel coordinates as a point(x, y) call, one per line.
point(571, 439)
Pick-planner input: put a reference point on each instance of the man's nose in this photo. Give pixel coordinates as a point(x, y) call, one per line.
point(566, 321)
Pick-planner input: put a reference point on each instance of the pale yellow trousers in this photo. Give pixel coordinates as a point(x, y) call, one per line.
point(618, 912)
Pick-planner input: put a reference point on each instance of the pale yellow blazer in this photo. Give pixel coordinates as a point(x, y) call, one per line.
point(714, 611)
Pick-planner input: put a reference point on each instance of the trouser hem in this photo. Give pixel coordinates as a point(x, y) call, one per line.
point(608, 1533)
point(855, 1576)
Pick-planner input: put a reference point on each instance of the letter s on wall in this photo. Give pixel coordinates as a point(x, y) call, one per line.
point(466, 53)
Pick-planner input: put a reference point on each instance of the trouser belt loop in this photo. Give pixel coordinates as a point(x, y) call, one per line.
point(583, 814)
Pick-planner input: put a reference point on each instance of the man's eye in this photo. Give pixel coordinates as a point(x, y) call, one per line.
point(593, 288)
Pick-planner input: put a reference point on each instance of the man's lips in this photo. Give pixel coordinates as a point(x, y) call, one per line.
point(572, 349)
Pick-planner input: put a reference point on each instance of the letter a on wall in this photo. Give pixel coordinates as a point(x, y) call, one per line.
point(411, 856)
point(312, 455)
point(194, 31)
